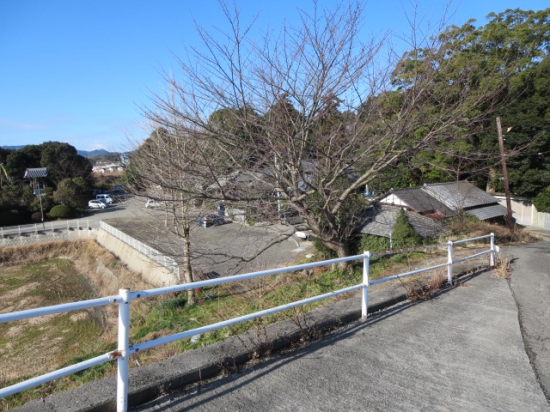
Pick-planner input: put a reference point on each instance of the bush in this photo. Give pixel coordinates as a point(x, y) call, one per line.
point(372, 243)
point(404, 236)
point(62, 212)
point(37, 217)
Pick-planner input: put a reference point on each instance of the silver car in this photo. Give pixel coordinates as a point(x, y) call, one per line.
point(96, 204)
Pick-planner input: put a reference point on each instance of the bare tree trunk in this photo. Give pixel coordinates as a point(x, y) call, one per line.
point(187, 270)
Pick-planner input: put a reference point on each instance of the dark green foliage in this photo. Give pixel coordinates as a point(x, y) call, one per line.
point(175, 303)
point(542, 201)
point(324, 251)
point(72, 192)
point(11, 218)
point(371, 243)
point(61, 159)
point(404, 235)
point(62, 212)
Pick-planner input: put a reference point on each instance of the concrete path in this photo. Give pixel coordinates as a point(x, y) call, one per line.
point(530, 284)
point(461, 351)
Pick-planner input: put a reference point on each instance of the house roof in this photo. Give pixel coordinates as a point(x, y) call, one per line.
point(488, 212)
point(415, 198)
point(459, 195)
point(35, 173)
point(447, 199)
point(379, 220)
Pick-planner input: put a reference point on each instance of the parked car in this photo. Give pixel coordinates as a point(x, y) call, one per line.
point(96, 204)
point(290, 217)
point(153, 203)
point(210, 220)
point(106, 199)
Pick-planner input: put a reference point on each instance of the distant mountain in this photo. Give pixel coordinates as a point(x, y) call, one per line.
point(98, 152)
point(84, 153)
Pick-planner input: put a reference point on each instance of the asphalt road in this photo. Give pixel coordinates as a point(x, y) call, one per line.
point(530, 283)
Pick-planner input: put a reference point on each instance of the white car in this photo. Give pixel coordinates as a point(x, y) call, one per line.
point(106, 199)
point(153, 203)
point(96, 204)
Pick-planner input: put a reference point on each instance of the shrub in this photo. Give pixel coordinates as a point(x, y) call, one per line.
point(404, 235)
point(36, 216)
point(374, 243)
point(61, 212)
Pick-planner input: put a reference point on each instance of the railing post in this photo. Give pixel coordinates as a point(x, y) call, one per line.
point(365, 290)
point(450, 262)
point(123, 343)
point(492, 255)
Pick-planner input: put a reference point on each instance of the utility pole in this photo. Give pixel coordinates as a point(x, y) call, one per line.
point(509, 218)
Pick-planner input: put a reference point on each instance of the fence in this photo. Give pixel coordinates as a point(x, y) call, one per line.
point(125, 297)
point(142, 248)
point(74, 224)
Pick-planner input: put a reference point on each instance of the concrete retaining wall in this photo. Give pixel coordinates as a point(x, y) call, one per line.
point(526, 213)
point(47, 236)
point(151, 271)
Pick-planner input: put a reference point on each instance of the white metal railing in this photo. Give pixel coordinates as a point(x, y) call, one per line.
point(125, 297)
point(144, 249)
point(49, 227)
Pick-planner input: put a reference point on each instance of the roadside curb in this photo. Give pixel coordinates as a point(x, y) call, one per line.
point(150, 381)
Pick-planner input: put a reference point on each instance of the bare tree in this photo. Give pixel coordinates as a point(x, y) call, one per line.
point(314, 113)
point(158, 170)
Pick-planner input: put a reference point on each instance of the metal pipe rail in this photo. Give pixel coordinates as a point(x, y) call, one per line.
point(48, 227)
point(125, 297)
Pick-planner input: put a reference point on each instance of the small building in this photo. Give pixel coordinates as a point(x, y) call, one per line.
point(443, 200)
point(36, 176)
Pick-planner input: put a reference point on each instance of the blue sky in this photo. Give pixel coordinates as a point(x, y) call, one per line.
point(77, 71)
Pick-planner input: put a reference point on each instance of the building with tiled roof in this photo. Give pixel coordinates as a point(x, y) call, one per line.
point(36, 173)
point(442, 200)
point(379, 221)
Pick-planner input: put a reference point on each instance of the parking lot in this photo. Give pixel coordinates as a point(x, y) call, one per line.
point(226, 249)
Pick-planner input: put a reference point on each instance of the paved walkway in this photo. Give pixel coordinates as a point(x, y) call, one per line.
point(461, 351)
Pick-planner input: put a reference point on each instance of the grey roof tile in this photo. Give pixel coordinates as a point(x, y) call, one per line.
point(35, 173)
point(378, 221)
point(487, 212)
point(459, 195)
point(421, 202)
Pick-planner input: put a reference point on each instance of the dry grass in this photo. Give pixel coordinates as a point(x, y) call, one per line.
point(503, 266)
point(466, 227)
point(54, 273)
point(424, 287)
